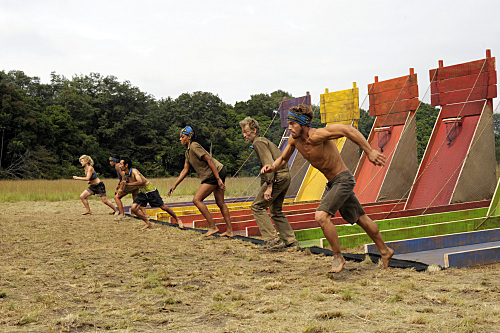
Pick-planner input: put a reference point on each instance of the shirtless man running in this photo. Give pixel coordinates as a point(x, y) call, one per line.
point(317, 147)
point(147, 193)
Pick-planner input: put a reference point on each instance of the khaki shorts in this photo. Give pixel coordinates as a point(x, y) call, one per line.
point(340, 197)
point(134, 190)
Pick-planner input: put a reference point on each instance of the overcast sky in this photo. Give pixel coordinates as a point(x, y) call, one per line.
point(236, 49)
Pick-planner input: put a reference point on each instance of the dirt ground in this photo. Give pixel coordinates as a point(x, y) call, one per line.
point(64, 272)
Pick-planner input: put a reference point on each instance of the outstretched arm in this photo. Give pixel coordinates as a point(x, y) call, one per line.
point(282, 160)
point(139, 179)
point(336, 131)
point(183, 175)
point(88, 175)
point(207, 158)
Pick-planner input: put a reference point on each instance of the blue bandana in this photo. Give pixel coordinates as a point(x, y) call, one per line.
point(112, 159)
point(187, 130)
point(298, 118)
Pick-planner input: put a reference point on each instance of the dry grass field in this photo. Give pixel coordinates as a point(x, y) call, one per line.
point(63, 272)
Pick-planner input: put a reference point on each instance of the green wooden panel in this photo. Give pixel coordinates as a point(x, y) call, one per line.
point(435, 229)
point(403, 222)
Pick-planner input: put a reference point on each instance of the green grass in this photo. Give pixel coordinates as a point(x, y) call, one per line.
point(68, 189)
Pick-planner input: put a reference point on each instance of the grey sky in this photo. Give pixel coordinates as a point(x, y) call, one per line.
point(236, 49)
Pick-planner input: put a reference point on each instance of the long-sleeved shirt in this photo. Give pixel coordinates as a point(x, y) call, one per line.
point(267, 152)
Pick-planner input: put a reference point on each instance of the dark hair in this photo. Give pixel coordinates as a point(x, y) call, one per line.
point(304, 109)
point(127, 161)
point(116, 156)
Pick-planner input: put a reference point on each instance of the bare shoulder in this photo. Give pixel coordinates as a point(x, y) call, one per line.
point(320, 135)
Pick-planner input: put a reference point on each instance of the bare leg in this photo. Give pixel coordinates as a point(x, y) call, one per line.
point(219, 199)
point(324, 221)
point(172, 213)
point(371, 228)
point(201, 194)
point(105, 200)
point(137, 211)
point(143, 209)
point(119, 203)
point(85, 194)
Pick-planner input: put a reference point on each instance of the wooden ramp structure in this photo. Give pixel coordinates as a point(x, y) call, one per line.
point(393, 102)
point(464, 249)
point(297, 163)
point(459, 162)
point(339, 107)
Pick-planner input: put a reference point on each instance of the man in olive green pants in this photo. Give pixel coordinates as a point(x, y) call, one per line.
point(272, 192)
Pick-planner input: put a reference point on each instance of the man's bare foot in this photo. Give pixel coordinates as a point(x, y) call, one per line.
point(211, 232)
point(227, 234)
point(179, 222)
point(338, 264)
point(117, 213)
point(386, 257)
point(87, 213)
point(147, 226)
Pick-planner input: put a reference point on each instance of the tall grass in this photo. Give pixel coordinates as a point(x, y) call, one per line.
point(67, 189)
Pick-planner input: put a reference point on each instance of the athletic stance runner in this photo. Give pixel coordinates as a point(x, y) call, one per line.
point(317, 147)
point(272, 191)
point(147, 193)
point(114, 161)
point(212, 174)
point(95, 185)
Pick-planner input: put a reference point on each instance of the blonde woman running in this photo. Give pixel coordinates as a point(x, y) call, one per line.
point(95, 185)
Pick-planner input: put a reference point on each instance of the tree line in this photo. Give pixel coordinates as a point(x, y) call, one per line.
point(45, 127)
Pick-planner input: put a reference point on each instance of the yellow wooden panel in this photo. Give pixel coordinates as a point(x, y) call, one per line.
point(314, 182)
point(337, 96)
point(340, 105)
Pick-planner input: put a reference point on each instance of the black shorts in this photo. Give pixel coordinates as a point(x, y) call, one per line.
point(340, 197)
point(97, 189)
point(213, 180)
point(153, 198)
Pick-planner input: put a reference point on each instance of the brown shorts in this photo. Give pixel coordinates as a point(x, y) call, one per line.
point(213, 180)
point(340, 197)
point(97, 189)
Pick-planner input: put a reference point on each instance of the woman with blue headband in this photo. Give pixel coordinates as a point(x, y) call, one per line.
point(212, 174)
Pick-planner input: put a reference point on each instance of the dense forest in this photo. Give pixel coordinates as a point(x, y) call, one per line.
point(45, 127)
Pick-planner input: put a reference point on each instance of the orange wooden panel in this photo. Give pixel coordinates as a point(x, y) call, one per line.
point(394, 107)
point(464, 95)
point(406, 92)
point(464, 82)
point(392, 119)
point(468, 68)
point(392, 84)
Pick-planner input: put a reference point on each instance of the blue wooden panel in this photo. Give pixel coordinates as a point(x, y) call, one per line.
point(439, 242)
point(471, 258)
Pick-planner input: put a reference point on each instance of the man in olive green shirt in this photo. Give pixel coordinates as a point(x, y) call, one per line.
point(272, 192)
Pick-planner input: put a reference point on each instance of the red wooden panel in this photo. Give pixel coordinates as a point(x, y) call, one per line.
point(464, 82)
point(468, 68)
point(393, 95)
point(369, 177)
point(394, 107)
point(464, 95)
point(440, 167)
point(455, 110)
